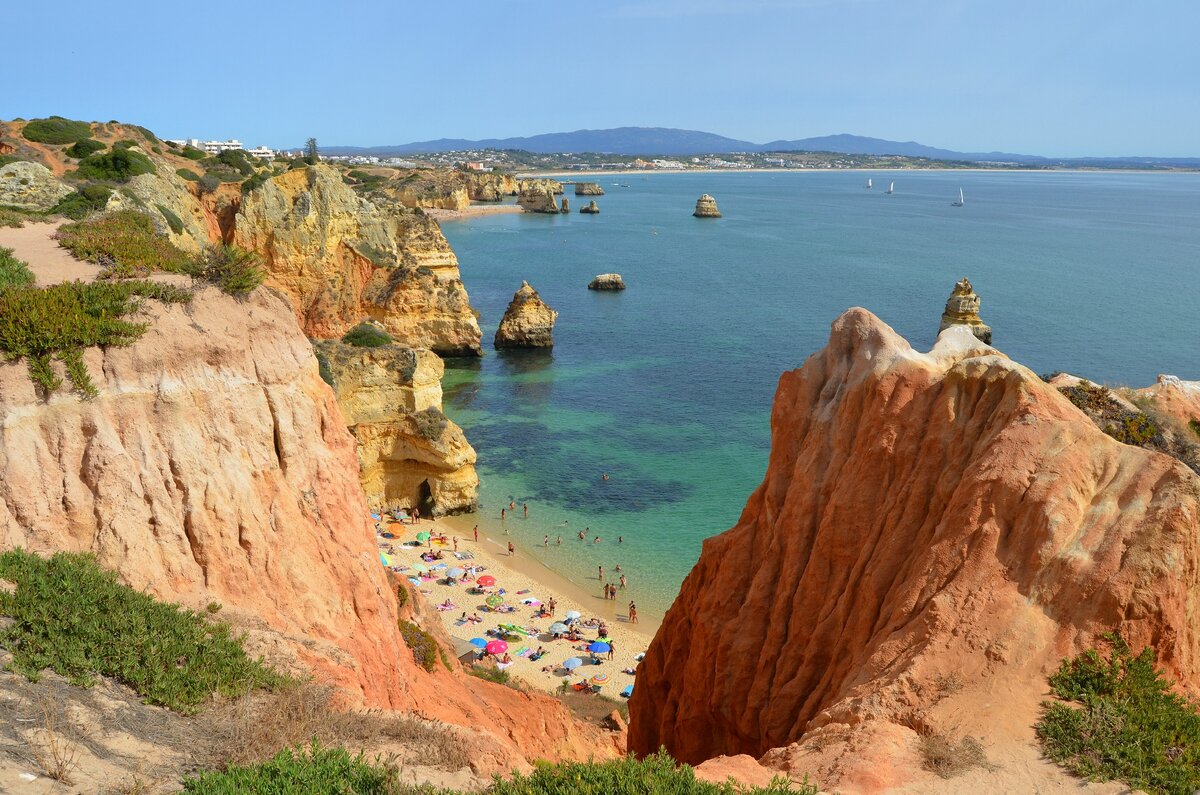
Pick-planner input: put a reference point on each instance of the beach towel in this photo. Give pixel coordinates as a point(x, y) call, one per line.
point(628, 691)
point(502, 666)
point(464, 556)
point(450, 606)
point(524, 591)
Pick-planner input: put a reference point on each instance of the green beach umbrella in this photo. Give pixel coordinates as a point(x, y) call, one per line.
point(420, 567)
point(422, 536)
point(495, 600)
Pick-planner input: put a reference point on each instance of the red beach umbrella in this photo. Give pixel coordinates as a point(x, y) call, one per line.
point(486, 580)
point(496, 647)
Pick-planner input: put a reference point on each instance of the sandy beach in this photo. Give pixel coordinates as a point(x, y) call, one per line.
point(523, 580)
point(474, 211)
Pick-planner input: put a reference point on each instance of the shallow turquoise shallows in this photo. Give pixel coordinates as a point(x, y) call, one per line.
point(668, 386)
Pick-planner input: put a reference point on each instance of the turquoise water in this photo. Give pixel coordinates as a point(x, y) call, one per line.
point(668, 385)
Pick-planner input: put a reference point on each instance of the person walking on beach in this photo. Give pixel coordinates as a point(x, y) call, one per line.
point(456, 543)
point(476, 531)
point(632, 613)
point(525, 505)
point(552, 605)
point(545, 542)
point(620, 539)
point(611, 649)
point(502, 515)
point(512, 550)
point(601, 568)
point(416, 515)
point(560, 541)
point(623, 582)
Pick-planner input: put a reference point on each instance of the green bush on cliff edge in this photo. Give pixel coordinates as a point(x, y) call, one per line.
point(1117, 719)
point(74, 617)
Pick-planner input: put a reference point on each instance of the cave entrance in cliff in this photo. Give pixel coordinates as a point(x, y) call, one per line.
point(425, 499)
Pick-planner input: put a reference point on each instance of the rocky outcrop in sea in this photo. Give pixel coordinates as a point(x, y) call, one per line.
point(706, 207)
point(607, 281)
point(537, 198)
point(962, 309)
point(528, 322)
point(588, 189)
point(591, 208)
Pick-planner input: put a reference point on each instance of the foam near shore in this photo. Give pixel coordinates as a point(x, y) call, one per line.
point(524, 578)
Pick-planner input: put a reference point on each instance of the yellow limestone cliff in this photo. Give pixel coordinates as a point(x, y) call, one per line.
point(410, 454)
point(342, 259)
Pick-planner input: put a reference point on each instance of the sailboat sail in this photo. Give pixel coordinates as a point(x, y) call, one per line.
point(958, 203)
point(891, 187)
point(869, 185)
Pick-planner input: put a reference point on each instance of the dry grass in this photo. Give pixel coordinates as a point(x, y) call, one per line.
point(948, 684)
point(948, 757)
point(55, 742)
point(254, 728)
point(592, 707)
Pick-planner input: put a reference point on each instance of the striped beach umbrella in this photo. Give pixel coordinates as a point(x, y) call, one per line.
point(496, 647)
point(600, 679)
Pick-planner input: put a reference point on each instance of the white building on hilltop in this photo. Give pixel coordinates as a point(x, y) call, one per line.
point(264, 152)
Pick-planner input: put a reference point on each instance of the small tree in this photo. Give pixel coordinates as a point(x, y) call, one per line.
point(310, 151)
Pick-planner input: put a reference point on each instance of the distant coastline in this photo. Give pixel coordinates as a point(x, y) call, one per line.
point(525, 173)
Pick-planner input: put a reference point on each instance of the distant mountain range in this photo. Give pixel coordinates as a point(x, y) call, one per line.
point(648, 141)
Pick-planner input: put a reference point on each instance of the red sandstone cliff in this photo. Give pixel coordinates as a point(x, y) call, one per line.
point(933, 534)
point(214, 465)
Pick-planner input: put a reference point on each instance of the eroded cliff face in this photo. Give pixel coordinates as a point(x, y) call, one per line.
point(215, 465)
point(490, 186)
point(924, 518)
point(409, 453)
point(341, 259)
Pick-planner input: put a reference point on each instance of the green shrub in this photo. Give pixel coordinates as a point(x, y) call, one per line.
point(236, 271)
point(424, 648)
point(39, 324)
point(56, 130)
point(1194, 424)
point(654, 774)
point(83, 202)
point(173, 220)
point(238, 160)
point(81, 149)
point(119, 165)
point(188, 174)
point(13, 272)
point(16, 217)
point(323, 369)
point(431, 423)
point(1118, 719)
point(367, 335)
point(305, 770)
point(124, 143)
point(192, 153)
point(209, 183)
point(75, 618)
point(1136, 429)
point(6, 159)
point(496, 675)
point(125, 241)
point(255, 181)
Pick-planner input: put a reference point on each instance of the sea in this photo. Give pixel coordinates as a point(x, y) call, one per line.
point(667, 386)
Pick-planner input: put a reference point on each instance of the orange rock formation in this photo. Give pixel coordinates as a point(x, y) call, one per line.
point(934, 533)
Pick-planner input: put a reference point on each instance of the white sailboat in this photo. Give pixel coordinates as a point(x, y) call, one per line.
point(891, 189)
point(958, 203)
point(869, 184)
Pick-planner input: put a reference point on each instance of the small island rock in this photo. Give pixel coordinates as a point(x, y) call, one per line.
point(963, 310)
point(607, 281)
point(591, 208)
point(706, 207)
point(588, 189)
point(528, 322)
point(566, 208)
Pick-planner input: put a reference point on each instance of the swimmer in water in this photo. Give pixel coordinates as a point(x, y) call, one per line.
point(604, 476)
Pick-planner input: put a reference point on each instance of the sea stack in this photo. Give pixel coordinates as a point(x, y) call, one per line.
point(588, 189)
point(706, 207)
point(607, 281)
point(527, 323)
point(537, 198)
point(963, 310)
point(591, 208)
point(566, 208)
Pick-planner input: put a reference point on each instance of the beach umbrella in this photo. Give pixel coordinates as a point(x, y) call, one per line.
point(420, 567)
point(600, 679)
point(598, 647)
point(478, 643)
point(414, 580)
point(375, 516)
point(558, 627)
point(496, 647)
point(385, 559)
point(422, 536)
point(573, 614)
point(495, 600)
point(456, 572)
point(572, 663)
point(439, 565)
point(486, 579)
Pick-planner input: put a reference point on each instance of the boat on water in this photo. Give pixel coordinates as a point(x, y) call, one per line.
point(958, 203)
point(869, 183)
point(891, 189)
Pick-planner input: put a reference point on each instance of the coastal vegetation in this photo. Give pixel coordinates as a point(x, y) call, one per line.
point(56, 130)
point(1118, 719)
point(119, 165)
point(83, 202)
point(13, 272)
point(73, 617)
point(367, 335)
point(236, 271)
point(422, 645)
point(126, 242)
point(59, 322)
point(83, 148)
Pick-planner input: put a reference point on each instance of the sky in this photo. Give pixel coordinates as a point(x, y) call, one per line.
point(1047, 77)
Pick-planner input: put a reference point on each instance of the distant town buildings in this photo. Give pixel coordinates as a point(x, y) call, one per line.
point(217, 147)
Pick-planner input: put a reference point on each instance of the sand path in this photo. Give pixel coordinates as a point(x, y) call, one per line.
point(51, 264)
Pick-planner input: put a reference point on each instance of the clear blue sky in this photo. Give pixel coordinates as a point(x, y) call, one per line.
point(1053, 77)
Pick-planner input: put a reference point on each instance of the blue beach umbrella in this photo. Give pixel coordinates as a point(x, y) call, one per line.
point(597, 647)
point(375, 516)
point(478, 643)
point(572, 663)
point(414, 580)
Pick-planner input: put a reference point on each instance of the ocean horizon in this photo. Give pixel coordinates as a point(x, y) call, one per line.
point(667, 386)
